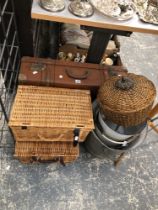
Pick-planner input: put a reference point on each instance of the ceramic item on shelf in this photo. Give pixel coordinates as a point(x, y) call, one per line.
point(118, 9)
point(61, 56)
point(147, 10)
point(81, 8)
point(52, 5)
point(69, 56)
point(108, 61)
point(77, 57)
point(83, 59)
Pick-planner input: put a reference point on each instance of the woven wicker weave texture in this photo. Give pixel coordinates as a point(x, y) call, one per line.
point(45, 149)
point(47, 159)
point(127, 107)
point(50, 114)
point(28, 151)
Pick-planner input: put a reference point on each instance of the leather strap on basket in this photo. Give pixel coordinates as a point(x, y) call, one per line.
point(61, 160)
point(76, 136)
point(71, 74)
point(54, 160)
point(124, 83)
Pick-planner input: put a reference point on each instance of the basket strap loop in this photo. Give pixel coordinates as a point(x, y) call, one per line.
point(61, 160)
point(76, 136)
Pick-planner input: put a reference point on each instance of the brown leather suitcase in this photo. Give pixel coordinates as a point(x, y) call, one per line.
point(78, 75)
point(36, 71)
point(49, 72)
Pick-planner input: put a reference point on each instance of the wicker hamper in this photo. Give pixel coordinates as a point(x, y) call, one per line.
point(28, 152)
point(51, 114)
point(127, 100)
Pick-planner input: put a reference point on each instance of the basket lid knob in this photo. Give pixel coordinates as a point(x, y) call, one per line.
point(124, 83)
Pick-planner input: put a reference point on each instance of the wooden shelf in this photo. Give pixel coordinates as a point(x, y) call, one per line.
point(97, 20)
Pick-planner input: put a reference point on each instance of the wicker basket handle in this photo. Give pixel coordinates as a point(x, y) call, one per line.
point(124, 83)
point(71, 74)
point(42, 138)
point(53, 160)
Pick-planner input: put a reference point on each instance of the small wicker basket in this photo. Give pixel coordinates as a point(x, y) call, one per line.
point(127, 101)
point(28, 152)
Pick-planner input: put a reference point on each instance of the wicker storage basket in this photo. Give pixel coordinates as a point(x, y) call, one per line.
point(46, 151)
point(128, 104)
point(50, 114)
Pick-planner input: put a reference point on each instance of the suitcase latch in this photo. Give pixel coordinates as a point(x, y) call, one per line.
point(37, 67)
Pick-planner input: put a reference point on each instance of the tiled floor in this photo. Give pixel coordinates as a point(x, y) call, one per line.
point(91, 183)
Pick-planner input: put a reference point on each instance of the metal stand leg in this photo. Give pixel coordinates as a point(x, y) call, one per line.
point(119, 159)
point(152, 113)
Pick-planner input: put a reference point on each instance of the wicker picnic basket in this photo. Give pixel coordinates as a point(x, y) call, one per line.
point(28, 152)
point(127, 100)
point(50, 114)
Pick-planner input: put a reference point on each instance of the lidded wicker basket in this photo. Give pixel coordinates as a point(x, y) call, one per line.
point(127, 100)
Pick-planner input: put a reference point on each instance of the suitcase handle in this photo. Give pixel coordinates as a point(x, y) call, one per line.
point(74, 76)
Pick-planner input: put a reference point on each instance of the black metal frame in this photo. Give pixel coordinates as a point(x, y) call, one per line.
point(9, 64)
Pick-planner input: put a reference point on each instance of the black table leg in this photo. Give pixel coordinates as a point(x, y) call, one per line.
point(24, 26)
point(100, 41)
point(97, 47)
point(54, 39)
